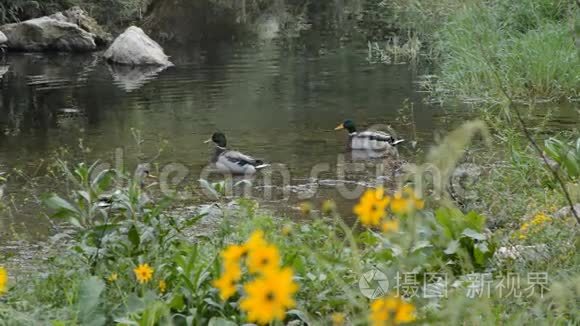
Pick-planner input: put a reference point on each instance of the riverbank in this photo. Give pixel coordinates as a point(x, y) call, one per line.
point(143, 265)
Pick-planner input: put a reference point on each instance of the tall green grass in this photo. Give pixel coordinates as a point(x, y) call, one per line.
point(539, 64)
point(531, 43)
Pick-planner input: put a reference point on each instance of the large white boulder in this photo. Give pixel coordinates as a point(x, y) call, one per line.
point(3, 38)
point(48, 34)
point(79, 17)
point(135, 48)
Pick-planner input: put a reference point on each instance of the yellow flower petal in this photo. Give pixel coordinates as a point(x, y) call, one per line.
point(263, 259)
point(390, 226)
point(3, 280)
point(269, 296)
point(143, 273)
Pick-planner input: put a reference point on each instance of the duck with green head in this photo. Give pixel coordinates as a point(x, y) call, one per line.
point(112, 200)
point(369, 139)
point(232, 162)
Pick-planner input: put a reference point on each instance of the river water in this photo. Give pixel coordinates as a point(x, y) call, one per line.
point(277, 103)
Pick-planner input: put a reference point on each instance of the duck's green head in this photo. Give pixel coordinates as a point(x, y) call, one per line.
point(218, 138)
point(348, 125)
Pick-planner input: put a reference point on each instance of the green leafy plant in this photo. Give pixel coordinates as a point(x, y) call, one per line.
point(566, 155)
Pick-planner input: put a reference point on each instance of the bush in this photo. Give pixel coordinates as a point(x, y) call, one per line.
point(112, 13)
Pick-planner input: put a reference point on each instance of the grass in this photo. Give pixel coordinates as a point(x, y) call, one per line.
point(530, 43)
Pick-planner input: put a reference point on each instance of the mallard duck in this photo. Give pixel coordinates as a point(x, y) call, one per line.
point(368, 140)
point(232, 162)
point(142, 172)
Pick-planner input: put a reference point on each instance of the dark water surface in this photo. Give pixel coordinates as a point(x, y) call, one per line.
point(273, 103)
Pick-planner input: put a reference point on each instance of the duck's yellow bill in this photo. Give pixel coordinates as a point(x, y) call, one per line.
point(152, 176)
point(340, 126)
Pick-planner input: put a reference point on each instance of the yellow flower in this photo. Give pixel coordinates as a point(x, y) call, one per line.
point(286, 230)
point(256, 240)
point(233, 271)
point(390, 226)
point(391, 311)
point(540, 219)
point(328, 206)
point(371, 207)
point(113, 277)
point(305, 208)
point(263, 259)
point(3, 280)
point(406, 201)
point(525, 227)
point(268, 297)
point(233, 254)
point(162, 286)
point(337, 319)
point(143, 273)
point(226, 284)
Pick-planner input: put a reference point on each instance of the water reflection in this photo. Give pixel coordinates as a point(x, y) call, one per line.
point(3, 70)
point(130, 78)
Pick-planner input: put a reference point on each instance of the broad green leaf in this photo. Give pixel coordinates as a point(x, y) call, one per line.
point(177, 302)
point(57, 203)
point(301, 315)
point(475, 221)
point(470, 233)
point(445, 220)
point(420, 245)
point(134, 304)
point(218, 321)
point(452, 247)
point(90, 311)
point(480, 253)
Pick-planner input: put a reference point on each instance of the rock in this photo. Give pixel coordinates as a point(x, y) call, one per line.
point(566, 211)
point(135, 48)
point(48, 34)
point(524, 253)
point(72, 30)
point(76, 15)
point(3, 38)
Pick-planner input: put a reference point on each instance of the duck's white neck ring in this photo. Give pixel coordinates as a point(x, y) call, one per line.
point(352, 133)
point(219, 147)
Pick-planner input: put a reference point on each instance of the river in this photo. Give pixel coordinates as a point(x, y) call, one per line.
point(274, 102)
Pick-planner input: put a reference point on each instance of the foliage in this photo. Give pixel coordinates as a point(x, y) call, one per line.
point(567, 156)
point(113, 13)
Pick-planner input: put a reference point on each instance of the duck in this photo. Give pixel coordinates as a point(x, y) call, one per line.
point(142, 172)
point(232, 162)
point(368, 140)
